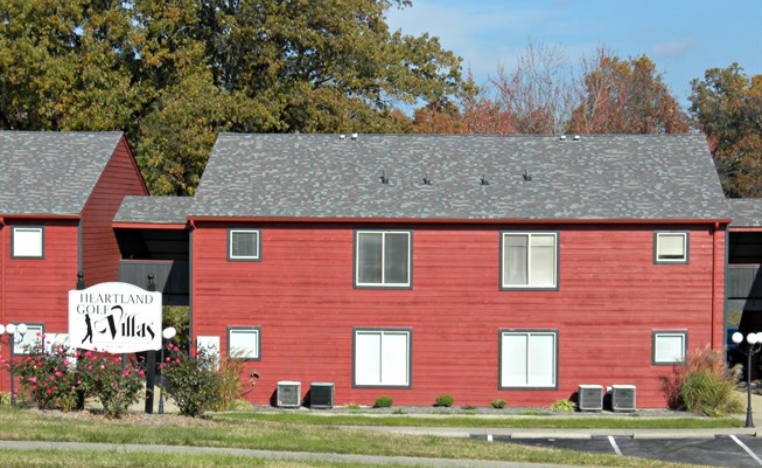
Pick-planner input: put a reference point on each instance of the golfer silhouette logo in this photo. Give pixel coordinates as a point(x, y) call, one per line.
point(89, 329)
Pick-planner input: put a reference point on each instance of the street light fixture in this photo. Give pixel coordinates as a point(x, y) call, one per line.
point(167, 334)
point(755, 345)
point(11, 330)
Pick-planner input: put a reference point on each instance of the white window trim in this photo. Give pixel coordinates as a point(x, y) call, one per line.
point(663, 334)
point(381, 383)
point(256, 257)
point(34, 336)
point(529, 333)
point(383, 283)
point(25, 253)
point(529, 284)
point(659, 235)
point(245, 352)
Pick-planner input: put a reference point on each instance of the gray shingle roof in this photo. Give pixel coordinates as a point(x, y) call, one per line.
point(153, 210)
point(324, 176)
point(51, 173)
point(747, 212)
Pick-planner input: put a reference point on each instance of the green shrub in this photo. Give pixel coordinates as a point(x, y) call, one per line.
point(444, 400)
point(47, 379)
point(193, 380)
point(383, 401)
point(228, 384)
point(498, 404)
point(114, 385)
point(706, 392)
point(703, 385)
point(563, 406)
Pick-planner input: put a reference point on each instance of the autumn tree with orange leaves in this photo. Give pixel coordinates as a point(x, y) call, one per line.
point(624, 96)
point(727, 106)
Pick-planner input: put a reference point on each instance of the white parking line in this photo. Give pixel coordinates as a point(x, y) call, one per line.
point(615, 446)
point(747, 449)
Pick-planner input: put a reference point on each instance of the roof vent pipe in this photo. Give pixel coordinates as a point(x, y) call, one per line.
point(577, 138)
point(354, 136)
point(384, 178)
point(426, 179)
point(527, 175)
point(484, 180)
point(342, 136)
point(562, 138)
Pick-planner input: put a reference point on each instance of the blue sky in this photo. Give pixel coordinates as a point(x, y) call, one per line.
point(683, 37)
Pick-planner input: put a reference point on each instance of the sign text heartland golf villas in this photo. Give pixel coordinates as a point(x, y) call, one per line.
point(115, 317)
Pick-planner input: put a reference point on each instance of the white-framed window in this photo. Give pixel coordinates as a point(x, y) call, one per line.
point(528, 359)
point(669, 346)
point(26, 343)
point(244, 244)
point(244, 343)
point(382, 259)
point(28, 242)
point(382, 358)
point(529, 260)
point(671, 247)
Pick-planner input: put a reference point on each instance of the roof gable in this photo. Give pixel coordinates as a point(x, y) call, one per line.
point(619, 177)
point(51, 173)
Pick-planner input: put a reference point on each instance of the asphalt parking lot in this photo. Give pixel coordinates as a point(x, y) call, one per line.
point(726, 450)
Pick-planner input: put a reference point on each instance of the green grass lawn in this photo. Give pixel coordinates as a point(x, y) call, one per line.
point(302, 433)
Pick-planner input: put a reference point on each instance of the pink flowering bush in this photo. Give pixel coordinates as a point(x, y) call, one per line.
point(47, 378)
point(114, 385)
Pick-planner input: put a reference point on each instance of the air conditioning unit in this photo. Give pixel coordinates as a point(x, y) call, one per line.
point(623, 397)
point(321, 395)
point(590, 398)
point(289, 394)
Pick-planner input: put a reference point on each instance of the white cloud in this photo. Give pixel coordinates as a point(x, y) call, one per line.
point(672, 48)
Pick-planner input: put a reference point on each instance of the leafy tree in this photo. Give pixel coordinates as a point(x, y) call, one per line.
point(437, 118)
point(727, 106)
point(624, 96)
point(172, 73)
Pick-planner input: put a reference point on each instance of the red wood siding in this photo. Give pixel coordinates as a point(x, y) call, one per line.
point(36, 291)
point(611, 298)
point(100, 251)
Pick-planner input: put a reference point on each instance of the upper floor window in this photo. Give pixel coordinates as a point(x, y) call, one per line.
point(382, 258)
point(243, 244)
point(28, 242)
point(671, 247)
point(529, 260)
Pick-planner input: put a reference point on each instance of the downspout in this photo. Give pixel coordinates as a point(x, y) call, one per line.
point(2, 275)
point(191, 286)
point(2, 269)
point(714, 285)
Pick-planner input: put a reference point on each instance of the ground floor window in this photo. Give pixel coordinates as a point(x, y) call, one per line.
point(382, 358)
point(244, 342)
point(528, 359)
point(669, 346)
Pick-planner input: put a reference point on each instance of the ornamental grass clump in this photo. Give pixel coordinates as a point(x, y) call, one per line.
point(703, 384)
point(193, 380)
point(116, 385)
point(47, 378)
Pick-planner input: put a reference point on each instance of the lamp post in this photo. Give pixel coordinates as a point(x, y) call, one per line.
point(11, 330)
point(166, 334)
point(755, 344)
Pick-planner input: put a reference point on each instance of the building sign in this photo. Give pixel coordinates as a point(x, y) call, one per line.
point(115, 317)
